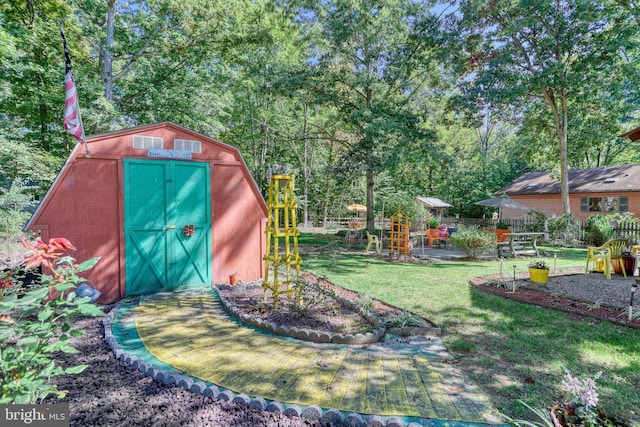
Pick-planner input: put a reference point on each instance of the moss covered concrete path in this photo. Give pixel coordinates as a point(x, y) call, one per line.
point(190, 333)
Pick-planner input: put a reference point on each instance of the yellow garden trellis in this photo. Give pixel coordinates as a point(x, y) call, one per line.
point(281, 228)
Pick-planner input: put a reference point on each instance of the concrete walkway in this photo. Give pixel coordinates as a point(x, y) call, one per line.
point(190, 333)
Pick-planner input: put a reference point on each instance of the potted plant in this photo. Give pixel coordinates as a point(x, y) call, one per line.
point(539, 272)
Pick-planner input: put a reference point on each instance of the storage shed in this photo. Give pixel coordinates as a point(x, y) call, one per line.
point(163, 206)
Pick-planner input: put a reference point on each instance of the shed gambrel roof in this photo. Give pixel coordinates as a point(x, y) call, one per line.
point(594, 180)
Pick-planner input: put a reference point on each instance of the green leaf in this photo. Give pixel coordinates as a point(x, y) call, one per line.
point(45, 314)
point(90, 310)
point(33, 297)
point(77, 333)
point(88, 264)
point(75, 369)
point(62, 287)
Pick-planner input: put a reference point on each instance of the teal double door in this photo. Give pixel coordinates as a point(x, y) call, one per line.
point(167, 225)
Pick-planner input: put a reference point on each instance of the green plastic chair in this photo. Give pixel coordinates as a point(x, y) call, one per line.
point(611, 250)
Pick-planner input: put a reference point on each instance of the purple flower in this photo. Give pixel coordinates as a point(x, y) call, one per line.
point(583, 391)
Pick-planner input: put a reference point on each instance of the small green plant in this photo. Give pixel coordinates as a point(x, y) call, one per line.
point(404, 320)
point(500, 284)
point(434, 223)
point(366, 302)
point(310, 294)
point(37, 324)
point(635, 313)
point(474, 242)
point(596, 305)
point(502, 226)
point(539, 265)
point(543, 416)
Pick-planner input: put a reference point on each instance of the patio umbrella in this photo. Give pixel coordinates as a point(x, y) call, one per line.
point(357, 208)
point(502, 203)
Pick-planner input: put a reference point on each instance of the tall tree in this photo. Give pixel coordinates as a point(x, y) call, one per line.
point(542, 51)
point(374, 57)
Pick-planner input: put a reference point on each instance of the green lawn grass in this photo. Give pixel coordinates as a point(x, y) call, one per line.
point(514, 351)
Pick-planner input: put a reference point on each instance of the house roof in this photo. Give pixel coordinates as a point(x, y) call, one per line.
point(433, 202)
point(633, 134)
point(594, 180)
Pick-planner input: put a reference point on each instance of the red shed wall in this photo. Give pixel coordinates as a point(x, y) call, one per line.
point(233, 208)
point(86, 206)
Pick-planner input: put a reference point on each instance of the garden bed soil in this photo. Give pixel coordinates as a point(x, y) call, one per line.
point(328, 315)
point(322, 314)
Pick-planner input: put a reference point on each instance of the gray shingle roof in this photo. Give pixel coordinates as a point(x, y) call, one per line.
point(594, 180)
point(433, 202)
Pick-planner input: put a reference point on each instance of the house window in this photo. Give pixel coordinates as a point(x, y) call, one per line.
point(187, 145)
point(604, 204)
point(145, 142)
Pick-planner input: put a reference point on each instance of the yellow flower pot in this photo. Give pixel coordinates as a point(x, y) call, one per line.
point(538, 275)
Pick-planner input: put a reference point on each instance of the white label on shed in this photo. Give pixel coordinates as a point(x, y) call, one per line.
point(168, 154)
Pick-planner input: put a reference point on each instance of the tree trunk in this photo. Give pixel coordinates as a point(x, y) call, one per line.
point(107, 72)
point(305, 168)
point(327, 187)
point(560, 120)
point(370, 213)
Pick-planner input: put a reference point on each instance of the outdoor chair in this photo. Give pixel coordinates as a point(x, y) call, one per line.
point(373, 240)
point(434, 235)
point(602, 256)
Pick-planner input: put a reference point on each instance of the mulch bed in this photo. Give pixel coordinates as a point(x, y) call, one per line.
point(557, 302)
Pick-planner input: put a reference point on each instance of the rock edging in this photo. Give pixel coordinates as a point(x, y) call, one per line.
point(308, 334)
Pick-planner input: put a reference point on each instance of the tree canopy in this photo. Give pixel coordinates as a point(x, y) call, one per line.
point(371, 102)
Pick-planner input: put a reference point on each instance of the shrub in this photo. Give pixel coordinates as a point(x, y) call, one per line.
point(502, 226)
point(537, 226)
point(37, 324)
point(434, 223)
point(598, 230)
point(474, 242)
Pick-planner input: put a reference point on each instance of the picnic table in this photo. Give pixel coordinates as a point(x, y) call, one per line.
point(520, 244)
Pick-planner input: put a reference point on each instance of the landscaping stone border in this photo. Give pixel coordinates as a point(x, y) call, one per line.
point(307, 334)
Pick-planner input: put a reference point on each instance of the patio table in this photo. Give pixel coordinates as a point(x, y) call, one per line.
point(519, 242)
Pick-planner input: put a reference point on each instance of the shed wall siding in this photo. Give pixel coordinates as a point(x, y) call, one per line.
point(236, 225)
point(84, 208)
